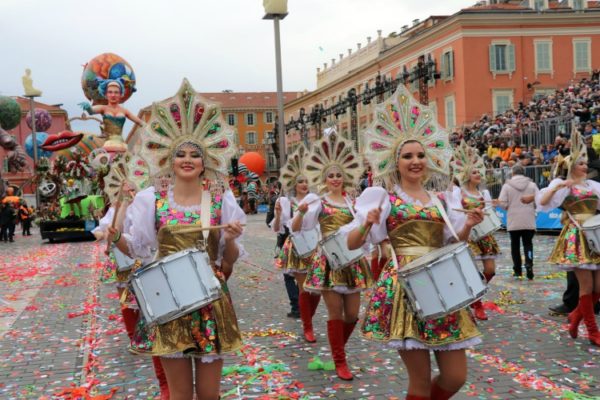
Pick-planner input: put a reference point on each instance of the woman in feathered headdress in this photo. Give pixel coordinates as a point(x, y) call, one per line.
point(333, 166)
point(295, 185)
point(468, 170)
point(579, 199)
point(406, 147)
point(187, 136)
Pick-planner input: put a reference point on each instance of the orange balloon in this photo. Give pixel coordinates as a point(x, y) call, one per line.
point(254, 161)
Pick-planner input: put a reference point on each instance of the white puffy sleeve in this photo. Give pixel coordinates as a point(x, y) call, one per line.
point(487, 197)
point(104, 222)
point(231, 212)
point(556, 200)
point(285, 215)
point(369, 199)
point(596, 189)
point(457, 218)
point(140, 225)
point(311, 218)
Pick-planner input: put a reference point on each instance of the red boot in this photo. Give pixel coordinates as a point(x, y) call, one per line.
point(130, 318)
point(162, 378)
point(586, 304)
point(437, 393)
point(335, 334)
point(479, 311)
point(348, 329)
point(575, 318)
point(306, 316)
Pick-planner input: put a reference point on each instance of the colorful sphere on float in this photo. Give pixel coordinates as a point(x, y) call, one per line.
point(43, 120)
point(86, 145)
point(40, 138)
point(254, 161)
point(103, 67)
point(10, 113)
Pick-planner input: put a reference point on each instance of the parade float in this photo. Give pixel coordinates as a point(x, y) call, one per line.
point(72, 185)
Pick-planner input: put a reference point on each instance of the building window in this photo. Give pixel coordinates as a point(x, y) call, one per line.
point(250, 137)
point(450, 106)
point(250, 119)
point(502, 58)
point(448, 65)
point(414, 85)
point(231, 119)
point(581, 55)
point(538, 5)
point(269, 117)
point(578, 5)
point(543, 56)
point(271, 161)
point(502, 101)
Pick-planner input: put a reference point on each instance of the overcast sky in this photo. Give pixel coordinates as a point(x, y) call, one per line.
point(217, 45)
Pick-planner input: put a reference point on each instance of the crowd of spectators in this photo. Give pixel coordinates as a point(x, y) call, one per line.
point(501, 139)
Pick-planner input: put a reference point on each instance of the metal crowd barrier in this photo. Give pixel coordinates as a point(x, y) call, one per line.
point(495, 178)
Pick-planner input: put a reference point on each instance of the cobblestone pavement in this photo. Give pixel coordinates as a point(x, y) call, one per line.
point(61, 335)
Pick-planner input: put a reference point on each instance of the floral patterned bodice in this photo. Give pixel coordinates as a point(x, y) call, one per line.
point(167, 215)
point(577, 194)
point(333, 216)
point(403, 211)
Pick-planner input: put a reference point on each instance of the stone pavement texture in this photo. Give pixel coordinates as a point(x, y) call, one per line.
point(61, 335)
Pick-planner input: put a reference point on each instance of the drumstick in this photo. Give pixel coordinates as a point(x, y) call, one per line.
point(468, 211)
point(206, 228)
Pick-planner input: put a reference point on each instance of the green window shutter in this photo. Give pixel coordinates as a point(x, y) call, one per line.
point(510, 64)
point(443, 66)
point(492, 58)
point(451, 62)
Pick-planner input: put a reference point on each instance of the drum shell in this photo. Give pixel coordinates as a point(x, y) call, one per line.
point(452, 275)
point(175, 286)
point(490, 224)
point(591, 230)
point(335, 249)
point(305, 242)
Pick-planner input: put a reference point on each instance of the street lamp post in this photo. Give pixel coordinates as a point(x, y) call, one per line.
point(277, 10)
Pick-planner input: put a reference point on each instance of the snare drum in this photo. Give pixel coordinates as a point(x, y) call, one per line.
point(442, 281)
point(124, 263)
point(175, 286)
point(591, 230)
point(335, 249)
point(490, 224)
point(305, 242)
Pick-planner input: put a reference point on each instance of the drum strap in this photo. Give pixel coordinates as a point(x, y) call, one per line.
point(436, 202)
point(205, 215)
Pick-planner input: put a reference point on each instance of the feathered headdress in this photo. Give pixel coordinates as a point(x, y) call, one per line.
point(578, 150)
point(465, 160)
point(293, 169)
point(333, 151)
point(188, 118)
point(397, 120)
point(126, 168)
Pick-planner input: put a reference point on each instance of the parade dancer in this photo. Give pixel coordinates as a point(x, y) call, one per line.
point(406, 147)
point(189, 138)
point(579, 198)
point(295, 184)
point(120, 186)
point(468, 169)
point(332, 166)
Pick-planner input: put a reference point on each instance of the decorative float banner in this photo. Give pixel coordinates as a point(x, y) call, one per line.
point(107, 66)
point(543, 220)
